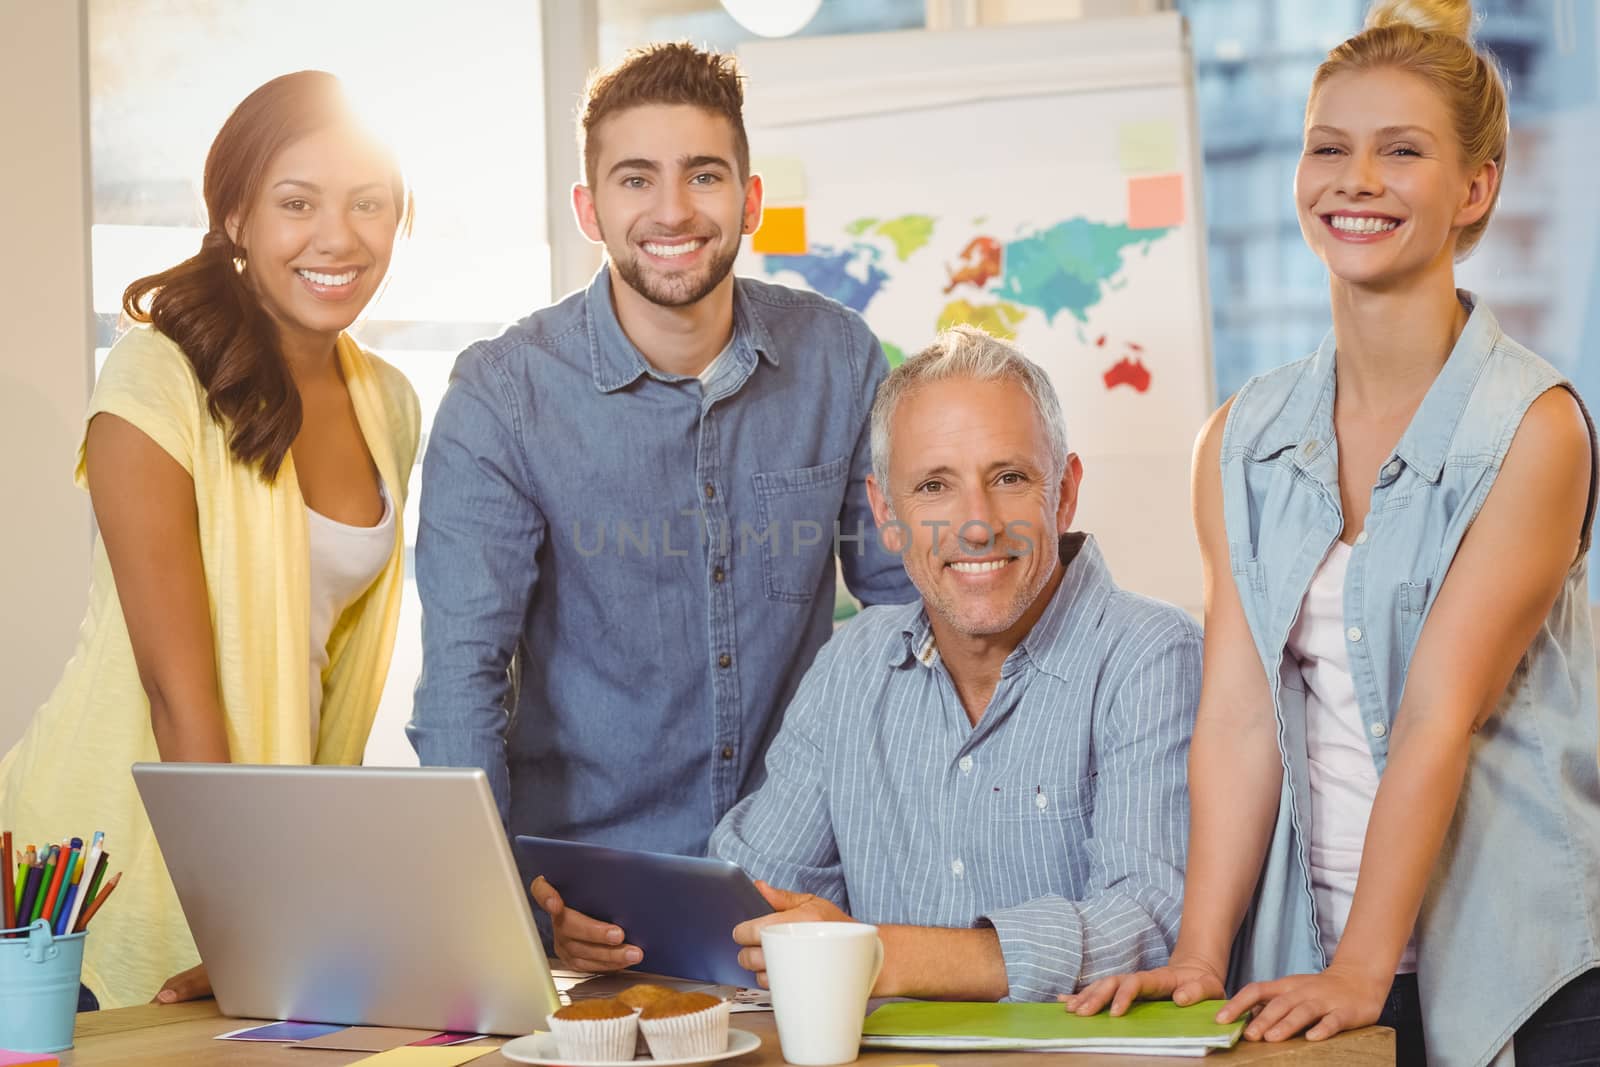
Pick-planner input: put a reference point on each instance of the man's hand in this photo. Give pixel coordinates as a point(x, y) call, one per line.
point(1337, 999)
point(1185, 981)
point(583, 943)
point(193, 984)
point(787, 907)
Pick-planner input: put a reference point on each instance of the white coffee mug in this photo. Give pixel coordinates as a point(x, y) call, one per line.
point(821, 975)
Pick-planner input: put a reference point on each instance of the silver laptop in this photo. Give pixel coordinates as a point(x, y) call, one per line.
point(360, 895)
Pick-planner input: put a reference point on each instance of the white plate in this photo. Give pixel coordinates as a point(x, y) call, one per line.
point(541, 1049)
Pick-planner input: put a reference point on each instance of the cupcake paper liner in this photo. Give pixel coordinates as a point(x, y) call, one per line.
point(596, 1039)
point(701, 1033)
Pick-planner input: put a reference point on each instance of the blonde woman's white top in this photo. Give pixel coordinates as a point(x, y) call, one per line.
point(1344, 780)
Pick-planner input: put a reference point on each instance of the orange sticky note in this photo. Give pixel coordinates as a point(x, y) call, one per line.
point(782, 232)
point(1155, 203)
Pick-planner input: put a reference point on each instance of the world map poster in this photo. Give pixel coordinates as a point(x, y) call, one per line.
point(1098, 296)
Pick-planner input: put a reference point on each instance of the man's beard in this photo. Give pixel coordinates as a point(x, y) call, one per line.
point(679, 290)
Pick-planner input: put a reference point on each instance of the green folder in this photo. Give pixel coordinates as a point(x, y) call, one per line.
point(1154, 1027)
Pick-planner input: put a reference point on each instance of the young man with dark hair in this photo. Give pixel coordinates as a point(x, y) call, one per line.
point(634, 496)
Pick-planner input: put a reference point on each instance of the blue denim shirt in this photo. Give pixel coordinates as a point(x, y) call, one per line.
point(657, 553)
point(1512, 911)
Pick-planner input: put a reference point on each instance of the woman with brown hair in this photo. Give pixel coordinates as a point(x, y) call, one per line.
point(1395, 795)
point(247, 464)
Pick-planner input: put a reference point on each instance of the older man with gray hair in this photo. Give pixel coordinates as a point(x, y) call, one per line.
point(995, 776)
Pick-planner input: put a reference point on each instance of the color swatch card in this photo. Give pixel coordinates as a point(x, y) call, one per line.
point(286, 1032)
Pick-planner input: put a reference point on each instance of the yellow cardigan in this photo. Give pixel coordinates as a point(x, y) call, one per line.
point(70, 772)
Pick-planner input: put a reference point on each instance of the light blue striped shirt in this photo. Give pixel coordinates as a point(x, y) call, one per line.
point(1061, 819)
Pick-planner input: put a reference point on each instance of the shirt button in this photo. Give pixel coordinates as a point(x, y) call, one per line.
point(958, 868)
point(1354, 633)
point(711, 491)
point(727, 751)
point(965, 764)
point(1391, 468)
point(717, 575)
point(724, 661)
point(1378, 729)
point(1361, 538)
point(1310, 446)
point(1040, 801)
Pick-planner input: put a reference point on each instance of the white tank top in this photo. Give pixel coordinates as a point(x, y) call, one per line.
point(1344, 779)
point(345, 561)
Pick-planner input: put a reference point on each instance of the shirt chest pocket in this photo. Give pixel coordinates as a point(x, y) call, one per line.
point(1042, 803)
point(1411, 603)
point(796, 511)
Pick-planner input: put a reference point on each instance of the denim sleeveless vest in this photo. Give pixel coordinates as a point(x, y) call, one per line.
point(1512, 911)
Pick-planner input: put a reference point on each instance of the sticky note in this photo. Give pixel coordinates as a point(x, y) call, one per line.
point(1155, 203)
point(436, 1056)
point(32, 1059)
point(1147, 147)
point(783, 178)
point(782, 232)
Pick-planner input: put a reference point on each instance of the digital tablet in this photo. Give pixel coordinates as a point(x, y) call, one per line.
point(679, 910)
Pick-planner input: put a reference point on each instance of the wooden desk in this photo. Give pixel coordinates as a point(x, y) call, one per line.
point(183, 1034)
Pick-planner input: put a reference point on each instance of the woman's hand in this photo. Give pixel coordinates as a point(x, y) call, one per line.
point(1184, 981)
point(193, 984)
point(1335, 1000)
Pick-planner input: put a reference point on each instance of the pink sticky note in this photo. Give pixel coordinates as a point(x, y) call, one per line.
point(1155, 203)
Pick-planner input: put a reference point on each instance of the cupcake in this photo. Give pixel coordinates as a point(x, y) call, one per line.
point(595, 1030)
point(643, 995)
point(686, 1024)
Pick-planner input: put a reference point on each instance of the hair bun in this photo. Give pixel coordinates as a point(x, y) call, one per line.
point(1452, 18)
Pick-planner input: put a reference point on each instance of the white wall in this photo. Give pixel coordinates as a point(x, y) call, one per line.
point(46, 346)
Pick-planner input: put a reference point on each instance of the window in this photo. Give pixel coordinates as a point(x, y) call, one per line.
point(1538, 266)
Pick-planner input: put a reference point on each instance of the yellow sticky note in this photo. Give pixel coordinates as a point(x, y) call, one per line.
point(427, 1056)
point(1147, 147)
point(1155, 203)
point(782, 232)
point(783, 178)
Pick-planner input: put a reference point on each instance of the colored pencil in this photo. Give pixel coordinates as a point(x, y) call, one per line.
point(29, 892)
point(69, 882)
point(71, 853)
point(99, 873)
point(91, 865)
point(88, 913)
point(10, 887)
point(69, 894)
point(52, 860)
point(22, 876)
point(47, 908)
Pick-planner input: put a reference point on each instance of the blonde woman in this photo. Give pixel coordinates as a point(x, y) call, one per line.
point(247, 463)
point(1396, 799)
